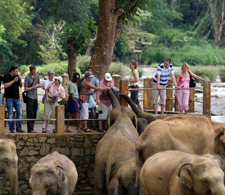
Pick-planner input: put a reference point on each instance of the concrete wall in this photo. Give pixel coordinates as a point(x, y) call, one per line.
point(80, 148)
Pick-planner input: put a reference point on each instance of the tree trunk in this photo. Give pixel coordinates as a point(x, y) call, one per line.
point(72, 56)
point(108, 30)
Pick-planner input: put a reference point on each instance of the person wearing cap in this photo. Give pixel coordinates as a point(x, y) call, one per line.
point(92, 100)
point(54, 91)
point(134, 78)
point(31, 83)
point(104, 102)
point(74, 104)
point(50, 78)
point(85, 92)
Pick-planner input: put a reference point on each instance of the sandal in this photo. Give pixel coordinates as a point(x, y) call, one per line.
point(102, 131)
point(87, 130)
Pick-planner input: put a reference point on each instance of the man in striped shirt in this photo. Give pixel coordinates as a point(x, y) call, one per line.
point(160, 82)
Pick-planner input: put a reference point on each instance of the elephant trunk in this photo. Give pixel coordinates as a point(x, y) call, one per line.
point(218, 190)
point(136, 110)
point(113, 98)
point(13, 179)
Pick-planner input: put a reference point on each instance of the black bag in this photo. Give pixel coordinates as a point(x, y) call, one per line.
point(24, 94)
point(192, 81)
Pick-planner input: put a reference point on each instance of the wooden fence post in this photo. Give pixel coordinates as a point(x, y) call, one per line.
point(207, 98)
point(192, 100)
point(2, 119)
point(60, 117)
point(147, 94)
point(65, 82)
point(116, 79)
point(169, 96)
point(124, 89)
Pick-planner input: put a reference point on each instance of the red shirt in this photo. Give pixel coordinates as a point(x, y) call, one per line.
point(103, 93)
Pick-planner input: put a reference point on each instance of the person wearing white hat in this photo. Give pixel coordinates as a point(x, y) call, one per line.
point(50, 78)
point(54, 91)
point(104, 102)
point(85, 92)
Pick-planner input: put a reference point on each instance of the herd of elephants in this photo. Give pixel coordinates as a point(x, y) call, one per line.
point(141, 153)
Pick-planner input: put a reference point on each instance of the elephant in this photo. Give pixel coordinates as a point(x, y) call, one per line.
point(126, 178)
point(187, 133)
point(9, 163)
point(53, 174)
point(180, 173)
point(116, 146)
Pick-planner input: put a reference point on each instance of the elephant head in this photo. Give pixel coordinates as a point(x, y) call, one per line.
point(8, 163)
point(46, 178)
point(203, 175)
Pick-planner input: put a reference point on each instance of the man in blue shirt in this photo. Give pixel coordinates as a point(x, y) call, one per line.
point(160, 82)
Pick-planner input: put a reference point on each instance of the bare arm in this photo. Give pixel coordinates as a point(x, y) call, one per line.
point(158, 81)
point(178, 79)
point(33, 87)
point(6, 85)
point(97, 99)
point(196, 76)
point(174, 80)
point(96, 88)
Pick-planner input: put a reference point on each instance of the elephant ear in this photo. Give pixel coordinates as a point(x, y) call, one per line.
point(185, 175)
point(61, 175)
point(110, 121)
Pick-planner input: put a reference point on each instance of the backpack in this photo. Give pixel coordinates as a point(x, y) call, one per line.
point(192, 81)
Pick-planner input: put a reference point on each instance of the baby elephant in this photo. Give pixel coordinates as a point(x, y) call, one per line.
point(53, 174)
point(179, 173)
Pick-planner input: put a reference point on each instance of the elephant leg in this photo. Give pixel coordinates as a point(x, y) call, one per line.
point(100, 188)
point(111, 187)
point(13, 179)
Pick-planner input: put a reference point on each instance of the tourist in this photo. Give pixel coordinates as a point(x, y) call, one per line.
point(54, 92)
point(134, 78)
point(31, 84)
point(183, 81)
point(104, 102)
point(74, 104)
point(12, 82)
point(85, 92)
point(160, 82)
point(1, 80)
point(92, 100)
point(50, 78)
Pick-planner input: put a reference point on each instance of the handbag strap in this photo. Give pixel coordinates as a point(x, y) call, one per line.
point(32, 83)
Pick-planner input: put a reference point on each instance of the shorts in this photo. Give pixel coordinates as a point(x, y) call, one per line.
point(84, 113)
point(105, 111)
point(72, 106)
point(156, 93)
point(49, 108)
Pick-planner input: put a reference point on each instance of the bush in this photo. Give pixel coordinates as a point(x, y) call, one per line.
point(209, 72)
point(59, 68)
point(24, 69)
point(119, 68)
point(222, 74)
point(83, 63)
point(140, 71)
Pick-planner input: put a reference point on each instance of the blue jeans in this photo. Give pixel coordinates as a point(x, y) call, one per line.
point(93, 116)
point(0, 98)
point(16, 103)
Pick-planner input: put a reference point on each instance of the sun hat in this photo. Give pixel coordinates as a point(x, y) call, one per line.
point(76, 76)
point(59, 78)
point(108, 76)
point(88, 74)
point(51, 72)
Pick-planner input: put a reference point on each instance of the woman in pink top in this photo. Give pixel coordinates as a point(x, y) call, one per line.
point(183, 81)
point(54, 92)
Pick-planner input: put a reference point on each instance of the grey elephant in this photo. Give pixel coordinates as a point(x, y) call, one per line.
point(116, 147)
point(9, 163)
point(191, 134)
point(53, 174)
point(179, 173)
point(126, 178)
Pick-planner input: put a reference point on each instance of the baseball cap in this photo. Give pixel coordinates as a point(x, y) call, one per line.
point(108, 76)
point(88, 74)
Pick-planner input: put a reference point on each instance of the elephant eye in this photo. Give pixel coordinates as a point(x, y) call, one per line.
point(205, 182)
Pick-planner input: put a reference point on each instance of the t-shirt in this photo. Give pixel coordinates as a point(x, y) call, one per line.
point(72, 89)
point(103, 93)
point(30, 82)
point(94, 81)
point(13, 90)
point(1, 79)
point(165, 73)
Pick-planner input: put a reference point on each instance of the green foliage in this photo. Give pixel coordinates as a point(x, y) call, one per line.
point(121, 47)
point(77, 33)
point(24, 69)
point(118, 68)
point(209, 72)
point(140, 71)
point(59, 68)
point(83, 63)
point(222, 74)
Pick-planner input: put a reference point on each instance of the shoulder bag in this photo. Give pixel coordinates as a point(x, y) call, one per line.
point(192, 81)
